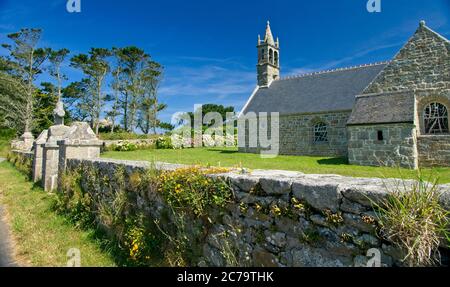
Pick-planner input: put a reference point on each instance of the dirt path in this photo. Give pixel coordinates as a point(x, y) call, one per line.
point(6, 259)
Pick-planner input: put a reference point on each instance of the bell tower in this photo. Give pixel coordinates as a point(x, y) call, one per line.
point(268, 67)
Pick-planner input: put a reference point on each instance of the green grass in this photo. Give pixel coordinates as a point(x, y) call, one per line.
point(4, 147)
point(42, 237)
point(229, 157)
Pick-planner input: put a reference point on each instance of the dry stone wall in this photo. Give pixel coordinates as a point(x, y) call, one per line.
point(277, 218)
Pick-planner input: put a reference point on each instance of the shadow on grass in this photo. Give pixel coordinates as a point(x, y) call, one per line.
point(224, 151)
point(333, 161)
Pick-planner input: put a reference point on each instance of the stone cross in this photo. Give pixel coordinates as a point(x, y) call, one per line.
point(59, 113)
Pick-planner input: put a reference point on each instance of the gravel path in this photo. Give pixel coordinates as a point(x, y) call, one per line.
point(6, 259)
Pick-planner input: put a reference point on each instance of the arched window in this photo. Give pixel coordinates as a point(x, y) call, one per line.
point(271, 56)
point(435, 119)
point(320, 133)
point(276, 58)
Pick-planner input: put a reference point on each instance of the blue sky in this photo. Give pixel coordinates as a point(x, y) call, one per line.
point(208, 47)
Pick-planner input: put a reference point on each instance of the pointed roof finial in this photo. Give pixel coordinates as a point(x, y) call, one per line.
point(269, 37)
point(422, 23)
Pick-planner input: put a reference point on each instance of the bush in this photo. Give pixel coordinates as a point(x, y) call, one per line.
point(191, 188)
point(125, 146)
point(7, 134)
point(172, 238)
point(21, 163)
point(164, 143)
point(412, 218)
point(124, 136)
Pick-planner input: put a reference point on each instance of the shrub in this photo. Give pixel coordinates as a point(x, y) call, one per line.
point(73, 201)
point(7, 134)
point(164, 143)
point(21, 162)
point(412, 218)
point(90, 200)
point(125, 146)
point(124, 136)
point(140, 241)
point(192, 188)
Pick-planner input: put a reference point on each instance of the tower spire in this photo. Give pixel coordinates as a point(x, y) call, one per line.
point(269, 37)
point(268, 67)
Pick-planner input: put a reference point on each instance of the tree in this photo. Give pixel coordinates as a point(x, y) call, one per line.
point(208, 108)
point(96, 67)
point(150, 107)
point(117, 87)
point(45, 103)
point(56, 59)
point(78, 97)
point(26, 61)
point(133, 62)
point(12, 97)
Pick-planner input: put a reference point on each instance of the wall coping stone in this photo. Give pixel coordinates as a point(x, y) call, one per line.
point(321, 191)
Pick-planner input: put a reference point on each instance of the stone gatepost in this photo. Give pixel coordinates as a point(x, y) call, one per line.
point(80, 143)
point(62, 143)
point(51, 156)
point(38, 158)
point(51, 149)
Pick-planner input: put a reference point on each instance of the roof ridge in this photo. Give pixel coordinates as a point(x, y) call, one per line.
point(334, 70)
point(434, 32)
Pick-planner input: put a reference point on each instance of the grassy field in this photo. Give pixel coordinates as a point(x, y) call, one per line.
point(42, 237)
point(229, 157)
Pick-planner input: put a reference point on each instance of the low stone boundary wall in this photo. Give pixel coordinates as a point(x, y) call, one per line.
point(23, 154)
point(22, 160)
point(278, 218)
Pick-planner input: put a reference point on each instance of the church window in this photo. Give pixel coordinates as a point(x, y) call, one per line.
point(271, 56)
point(262, 54)
point(276, 58)
point(436, 119)
point(320, 133)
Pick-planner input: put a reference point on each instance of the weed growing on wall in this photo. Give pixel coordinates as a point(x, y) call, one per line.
point(20, 162)
point(113, 204)
point(190, 187)
point(412, 218)
point(74, 201)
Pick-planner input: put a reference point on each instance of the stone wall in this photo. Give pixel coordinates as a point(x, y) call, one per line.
point(396, 149)
point(23, 155)
point(434, 151)
point(22, 160)
point(297, 135)
point(277, 218)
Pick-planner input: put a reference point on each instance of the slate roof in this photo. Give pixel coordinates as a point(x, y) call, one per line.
point(316, 92)
point(385, 108)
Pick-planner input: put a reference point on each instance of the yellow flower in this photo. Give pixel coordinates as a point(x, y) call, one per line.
point(276, 210)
